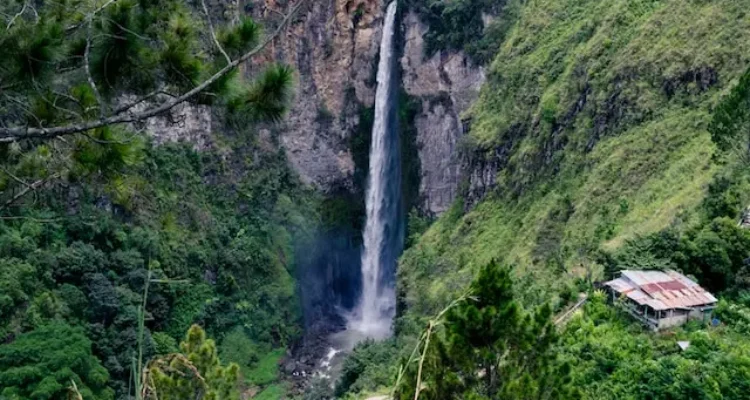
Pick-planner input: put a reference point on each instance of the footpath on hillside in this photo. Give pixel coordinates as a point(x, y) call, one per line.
point(565, 316)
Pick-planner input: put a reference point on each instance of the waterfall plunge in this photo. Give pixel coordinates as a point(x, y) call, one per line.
point(383, 235)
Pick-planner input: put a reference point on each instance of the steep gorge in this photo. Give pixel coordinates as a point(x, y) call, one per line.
point(577, 95)
point(333, 46)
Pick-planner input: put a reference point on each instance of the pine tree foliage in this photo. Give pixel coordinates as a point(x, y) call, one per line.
point(196, 373)
point(91, 68)
point(265, 99)
point(490, 349)
point(245, 35)
point(165, 51)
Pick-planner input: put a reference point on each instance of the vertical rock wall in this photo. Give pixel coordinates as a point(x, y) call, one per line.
point(446, 83)
point(333, 44)
point(335, 50)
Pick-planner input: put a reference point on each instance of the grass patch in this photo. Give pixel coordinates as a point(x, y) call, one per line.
point(267, 369)
point(273, 392)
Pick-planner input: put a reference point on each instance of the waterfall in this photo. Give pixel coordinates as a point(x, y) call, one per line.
point(383, 233)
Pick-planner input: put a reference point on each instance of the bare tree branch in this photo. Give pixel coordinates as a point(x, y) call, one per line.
point(15, 178)
point(86, 57)
point(40, 220)
point(15, 17)
point(65, 110)
point(140, 100)
point(91, 15)
point(213, 33)
point(418, 385)
point(32, 187)
point(24, 107)
point(33, 9)
point(9, 135)
point(75, 394)
point(130, 31)
point(101, 141)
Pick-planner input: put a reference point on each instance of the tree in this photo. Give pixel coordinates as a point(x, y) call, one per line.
point(16, 284)
point(195, 373)
point(89, 69)
point(62, 63)
point(491, 349)
point(43, 363)
point(103, 302)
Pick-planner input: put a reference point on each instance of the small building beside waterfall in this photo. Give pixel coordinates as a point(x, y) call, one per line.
point(661, 299)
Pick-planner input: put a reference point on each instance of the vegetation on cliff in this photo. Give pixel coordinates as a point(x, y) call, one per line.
point(595, 120)
point(82, 254)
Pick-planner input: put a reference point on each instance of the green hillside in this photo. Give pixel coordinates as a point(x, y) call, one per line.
point(596, 116)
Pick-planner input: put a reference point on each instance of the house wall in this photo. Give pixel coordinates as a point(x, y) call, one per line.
point(700, 315)
point(673, 318)
point(656, 321)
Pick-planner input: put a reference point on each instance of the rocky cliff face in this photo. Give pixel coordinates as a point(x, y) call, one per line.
point(446, 84)
point(334, 45)
point(335, 50)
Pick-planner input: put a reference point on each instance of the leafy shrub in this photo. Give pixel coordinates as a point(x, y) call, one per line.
point(42, 363)
point(164, 344)
point(238, 348)
point(370, 366)
point(267, 368)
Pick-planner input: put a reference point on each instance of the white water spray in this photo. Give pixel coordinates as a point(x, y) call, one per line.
point(383, 234)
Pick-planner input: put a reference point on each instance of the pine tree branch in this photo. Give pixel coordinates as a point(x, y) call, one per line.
point(213, 32)
point(91, 15)
point(15, 17)
point(32, 187)
point(10, 135)
point(86, 62)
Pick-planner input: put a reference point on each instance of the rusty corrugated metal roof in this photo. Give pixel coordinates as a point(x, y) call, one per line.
point(661, 290)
